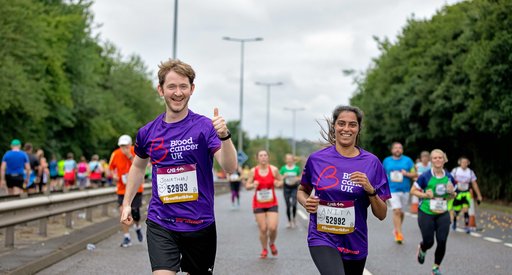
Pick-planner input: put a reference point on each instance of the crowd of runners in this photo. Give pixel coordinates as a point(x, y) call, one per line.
point(336, 185)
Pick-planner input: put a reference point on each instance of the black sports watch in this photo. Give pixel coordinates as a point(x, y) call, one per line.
point(372, 194)
point(226, 137)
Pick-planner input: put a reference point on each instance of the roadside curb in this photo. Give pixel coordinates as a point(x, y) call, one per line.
point(61, 247)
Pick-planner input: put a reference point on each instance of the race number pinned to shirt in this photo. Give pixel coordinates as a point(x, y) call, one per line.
point(264, 195)
point(336, 217)
point(438, 205)
point(396, 176)
point(234, 177)
point(290, 180)
point(177, 183)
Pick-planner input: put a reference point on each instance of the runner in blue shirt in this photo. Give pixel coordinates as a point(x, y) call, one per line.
point(15, 164)
point(399, 170)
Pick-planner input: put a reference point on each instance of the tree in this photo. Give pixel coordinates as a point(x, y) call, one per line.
point(446, 84)
point(60, 88)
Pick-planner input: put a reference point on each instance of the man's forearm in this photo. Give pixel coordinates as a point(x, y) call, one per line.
point(135, 179)
point(228, 160)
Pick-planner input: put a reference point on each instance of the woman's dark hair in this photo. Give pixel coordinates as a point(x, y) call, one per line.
point(329, 134)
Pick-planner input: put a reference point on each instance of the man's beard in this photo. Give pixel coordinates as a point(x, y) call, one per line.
point(176, 109)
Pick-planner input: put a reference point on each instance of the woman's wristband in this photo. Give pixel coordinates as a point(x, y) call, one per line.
point(373, 194)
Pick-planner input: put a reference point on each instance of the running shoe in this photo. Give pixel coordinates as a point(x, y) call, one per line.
point(126, 242)
point(436, 270)
point(273, 249)
point(398, 237)
point(420, 255)
point(467, 230)
point(264, 254)
point(139, 234)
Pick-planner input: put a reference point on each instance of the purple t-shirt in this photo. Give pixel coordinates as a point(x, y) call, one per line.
point(182, 158)
point(328, 173)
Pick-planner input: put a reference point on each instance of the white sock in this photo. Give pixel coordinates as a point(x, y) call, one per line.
point(127, 235)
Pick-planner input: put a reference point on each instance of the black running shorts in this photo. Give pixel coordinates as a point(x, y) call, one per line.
point(136, 202)
point(197, 249)
point(14, 180)
point(263, 210)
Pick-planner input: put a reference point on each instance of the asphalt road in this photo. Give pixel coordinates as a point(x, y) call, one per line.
point(238, 249)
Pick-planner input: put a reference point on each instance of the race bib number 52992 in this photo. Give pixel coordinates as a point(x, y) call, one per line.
point(336, 217)
point(177, 183)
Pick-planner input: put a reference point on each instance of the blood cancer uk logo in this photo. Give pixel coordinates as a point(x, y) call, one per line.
point(175, 149)
point(328, 179)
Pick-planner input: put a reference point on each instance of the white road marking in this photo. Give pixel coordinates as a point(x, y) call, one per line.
point(508, 244)
point(366, 272)
point(493, 240)
point(409, 214)
point(475, 234)
point(302, 214)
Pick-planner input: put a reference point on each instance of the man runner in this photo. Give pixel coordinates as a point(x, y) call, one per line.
point(181, 145)
point(119, 165)
point(400, 170)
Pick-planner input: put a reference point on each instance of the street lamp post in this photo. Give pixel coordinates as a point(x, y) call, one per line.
point(294, 111)
point(268, 84)
point(242, 43)
point(175, 33)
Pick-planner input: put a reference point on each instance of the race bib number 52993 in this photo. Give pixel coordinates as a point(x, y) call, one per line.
point(177, 183)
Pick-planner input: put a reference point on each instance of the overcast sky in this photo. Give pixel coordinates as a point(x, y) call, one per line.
point(307, 44)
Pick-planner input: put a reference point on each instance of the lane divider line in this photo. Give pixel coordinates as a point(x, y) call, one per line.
point(366, 272)
point(473, 234)
point(492, 240)
point(302, 214)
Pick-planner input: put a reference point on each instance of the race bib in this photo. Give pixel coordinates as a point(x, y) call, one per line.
point(336, 217)
point(177, 183)
point(438, 205)
point(289, 180)
point(124, 178)
point(264, 195)
point(234, 177)
point(396, 176)
point(463, 186)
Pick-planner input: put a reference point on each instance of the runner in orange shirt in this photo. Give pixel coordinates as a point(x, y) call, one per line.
point(120, 163)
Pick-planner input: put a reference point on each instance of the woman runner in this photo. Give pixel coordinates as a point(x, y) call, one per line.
point(434, 189)
point(263, 178)
point(346, 180)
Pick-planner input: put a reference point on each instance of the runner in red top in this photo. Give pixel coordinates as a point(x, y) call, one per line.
point(264, 177)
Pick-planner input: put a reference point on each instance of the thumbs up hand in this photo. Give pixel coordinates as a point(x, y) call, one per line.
point(219, 124)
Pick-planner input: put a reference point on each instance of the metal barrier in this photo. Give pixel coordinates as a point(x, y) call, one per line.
point(40, 208)
point(17, 212)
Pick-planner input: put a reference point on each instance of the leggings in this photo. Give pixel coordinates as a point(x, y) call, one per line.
point(290, 197)
point(235, 191)
point(328, 261)
point(438, 224)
